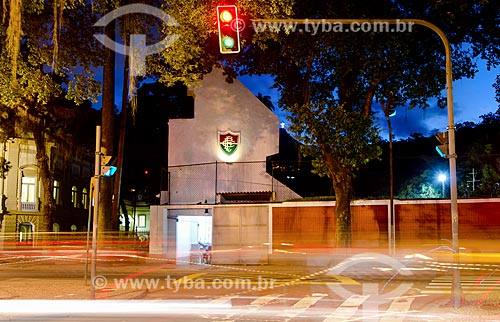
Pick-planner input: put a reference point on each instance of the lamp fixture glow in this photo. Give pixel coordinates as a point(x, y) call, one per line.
point(226, 16)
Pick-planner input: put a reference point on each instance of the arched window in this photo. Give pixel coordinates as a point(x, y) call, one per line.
point(57, 192)
point(85, 198)
point(25, 232)
point(74, 196)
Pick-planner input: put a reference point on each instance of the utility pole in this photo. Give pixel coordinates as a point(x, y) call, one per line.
point(97, 179)
point(389, 111)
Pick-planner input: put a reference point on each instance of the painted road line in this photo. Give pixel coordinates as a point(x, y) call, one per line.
point(301, 306)
point(469, 284)
point(340, 279)
point(347, 309)
point(263, 300)
point(223, 299)
point(307, 301)
point(398, 309)
point(190, 277)
point(254, 305)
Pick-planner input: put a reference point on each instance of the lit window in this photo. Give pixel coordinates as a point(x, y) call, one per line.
point(142, 221)
point(74, 196)
point(57, 192)
point(28, 189)
point(85, 198)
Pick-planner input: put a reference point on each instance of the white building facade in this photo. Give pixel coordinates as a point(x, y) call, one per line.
point(224, 148)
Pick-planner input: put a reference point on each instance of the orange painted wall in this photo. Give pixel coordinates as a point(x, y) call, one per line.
point(416, 224)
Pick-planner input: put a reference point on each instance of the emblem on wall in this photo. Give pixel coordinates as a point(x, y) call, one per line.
point(229, 141)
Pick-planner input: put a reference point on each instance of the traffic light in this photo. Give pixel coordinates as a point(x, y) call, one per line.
point(391, 111)
point(108, 165)
point(229, 29)
point(442, 149)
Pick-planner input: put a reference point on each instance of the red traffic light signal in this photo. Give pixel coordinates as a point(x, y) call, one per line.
point(229, 29)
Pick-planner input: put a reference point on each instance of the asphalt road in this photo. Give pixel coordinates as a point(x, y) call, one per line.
point(368, 288)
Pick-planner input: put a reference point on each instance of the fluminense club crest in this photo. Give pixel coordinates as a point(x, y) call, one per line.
point(229, 141)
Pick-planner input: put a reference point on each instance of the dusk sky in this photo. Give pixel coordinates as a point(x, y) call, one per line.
point(472, 98)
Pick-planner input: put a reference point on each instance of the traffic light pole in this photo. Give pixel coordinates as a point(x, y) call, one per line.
point(97, 177)
point(456, 293)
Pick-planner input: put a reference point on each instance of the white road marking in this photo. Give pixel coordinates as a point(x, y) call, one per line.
point(347, 309)
point(300, 306)
point(397, 310)
point(263, 300)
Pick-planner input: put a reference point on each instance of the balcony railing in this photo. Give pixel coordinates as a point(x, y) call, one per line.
point(29, 206)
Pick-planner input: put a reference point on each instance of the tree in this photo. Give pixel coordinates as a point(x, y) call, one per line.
point(266, 100)
point(340, 141)
point(37, 81)
point(352, 70)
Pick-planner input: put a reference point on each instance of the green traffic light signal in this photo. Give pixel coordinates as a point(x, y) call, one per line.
point(108, 167)
point(442, 149)
point(228, 42)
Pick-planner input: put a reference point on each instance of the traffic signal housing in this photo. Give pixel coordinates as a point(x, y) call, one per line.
point(442, 149)
point(229, 29)
point(108, 165)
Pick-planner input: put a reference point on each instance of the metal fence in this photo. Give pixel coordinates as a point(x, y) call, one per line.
point(202, 183)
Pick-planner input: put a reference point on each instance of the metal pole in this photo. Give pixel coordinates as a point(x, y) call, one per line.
point(216, 174)
point(457, 290)
point(391, 188)
point(2, 174)
point(88, 230)
point(456, 293)
point(97, 176)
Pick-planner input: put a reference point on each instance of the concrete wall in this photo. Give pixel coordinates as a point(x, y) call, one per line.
point(258, 234)
point(240, 234)
point(162, 235)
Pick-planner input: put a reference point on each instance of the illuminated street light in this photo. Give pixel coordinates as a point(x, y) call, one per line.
point(442, 179)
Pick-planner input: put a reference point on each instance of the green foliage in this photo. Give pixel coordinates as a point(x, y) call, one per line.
point(37, 83)
point(497, 89)
point(348, 136)
point(196, 52)
point(4, 167)
point(423, 186)
point(490, 181)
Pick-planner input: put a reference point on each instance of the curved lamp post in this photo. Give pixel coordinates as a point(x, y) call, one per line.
point(456, 294)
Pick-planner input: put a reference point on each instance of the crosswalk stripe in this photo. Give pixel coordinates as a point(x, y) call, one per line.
point(397, 309)
point(469, 284)
point(254, 305)
point(307, 301)
point(301, 306)
point(347, 309)
point(263, 300)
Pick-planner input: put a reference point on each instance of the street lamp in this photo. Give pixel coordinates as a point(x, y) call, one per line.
point(442, 179)
point(452, 157)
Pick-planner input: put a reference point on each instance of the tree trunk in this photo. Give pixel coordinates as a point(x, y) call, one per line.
point(341, 182)
point(121, 147)
point(108, 113)
point(47, 203)
point(342, 185)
